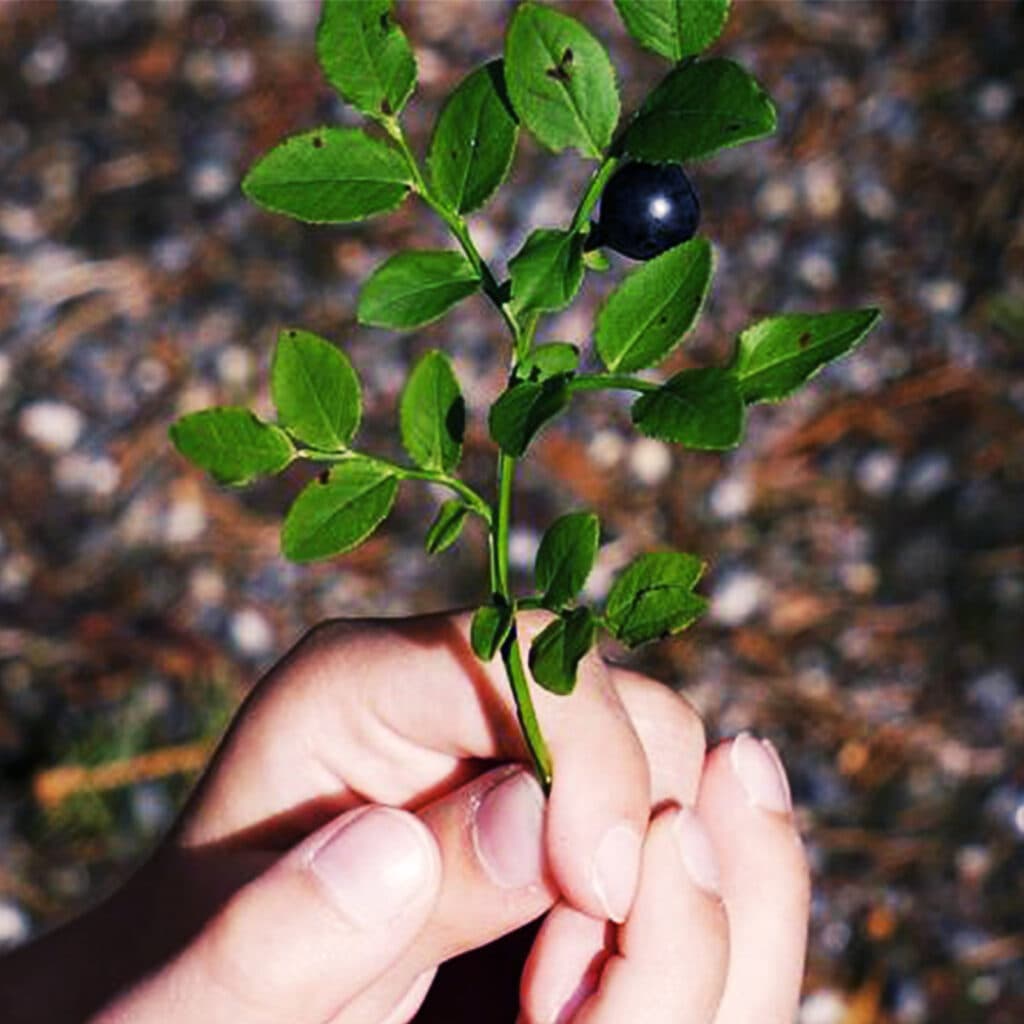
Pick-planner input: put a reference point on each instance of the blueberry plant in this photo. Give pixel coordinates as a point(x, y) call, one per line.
point(555, 80)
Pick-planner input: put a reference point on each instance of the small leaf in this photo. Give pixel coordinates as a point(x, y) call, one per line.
point(654, 597)
point(489, 629)
point(447, 525)
point(565, 557)
point(474, 141)
point(549, 360)
point(700, 409)
point(432, 414)
point(414, 288)
point(697, 110)
point(775, 356)
point(521, 411)
point(336, 513)
point(648, 314)
point(547, 271)
point(365, 55)
point(597, 260)
point(558, 649)
point(315, 390)
point(561, 81)
point(329, 176)
point(231, 444)
point(674, 28)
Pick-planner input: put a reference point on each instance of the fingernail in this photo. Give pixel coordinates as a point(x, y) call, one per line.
point(616, 869)
point(697, 852)
point(375, 864)
point(508, 831)
point(760, 772)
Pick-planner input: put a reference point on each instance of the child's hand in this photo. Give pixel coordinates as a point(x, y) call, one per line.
point(294, 888)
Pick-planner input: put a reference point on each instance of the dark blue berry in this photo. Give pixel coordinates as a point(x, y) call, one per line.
point(646, 209)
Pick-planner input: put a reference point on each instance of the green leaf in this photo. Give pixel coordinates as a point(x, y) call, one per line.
point(329, 176)
point(432, 414)
point(447, 525)
point(558, 649)
point(775, 356)
point(547, 271)
point(549, 360)
point(674, 28)
point(565, 557)
point(597, 260)
point(365, 55)
point(561, 81)
point(489, 629)
point(521, 411)
point(700, 409)
point(648, 314)
point(654, 597)
point(474, 141)
point(338, 511)
point(315, 390)
point(414, 288)
point(231, 444)
point(697, 110)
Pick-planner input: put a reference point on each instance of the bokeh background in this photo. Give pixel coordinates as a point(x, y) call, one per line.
point(867, 542)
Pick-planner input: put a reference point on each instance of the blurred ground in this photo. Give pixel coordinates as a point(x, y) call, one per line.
point(867, 542)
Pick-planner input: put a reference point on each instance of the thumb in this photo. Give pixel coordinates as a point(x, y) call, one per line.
point(304, 938)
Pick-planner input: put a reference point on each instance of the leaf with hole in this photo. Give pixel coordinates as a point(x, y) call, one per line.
point(232, 444)
point(365, 55)
point(674, 28)
point(338, 511)
point(489, 629)
point(701, 409)
point(653, 597)
point(558, 649)
point(315, 390)
point(561, 81)
point(474, 140)
point(776, 356)
point(648, 314)
point(547, 271)
point(329, 176)
point(565, 557)
point(521, 411)
point(432, 414)
point(415, 288)
point(698, 109)
point(447, 525)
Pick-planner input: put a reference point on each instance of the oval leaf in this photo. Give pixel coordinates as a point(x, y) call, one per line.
point(558, 649)
point(414, 288)
point(561, 81)
point(547, 271)
point(648, 314)
point(775, 356)
point(489, 629)
point(432, 414)
point(654, 597)
point(329, 176)
point(700, 409)
point(447, 525)
point(521, 411)
point(697, 110)
point(315, 390)
point(231, 444)
point(674, 28)
point(474, 141)
point(565, 557)
point(337, 512)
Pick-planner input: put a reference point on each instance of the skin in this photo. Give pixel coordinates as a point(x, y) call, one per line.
point(232, 920)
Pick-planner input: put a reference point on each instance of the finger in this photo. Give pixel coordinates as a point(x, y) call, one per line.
point(671, 734)
point(673, 950)
point(745, 805)
point(397, 712)
point(306, 937)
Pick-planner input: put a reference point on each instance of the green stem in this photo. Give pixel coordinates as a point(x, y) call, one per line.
point(607, 381)
point(594, 189)
point(539, 753)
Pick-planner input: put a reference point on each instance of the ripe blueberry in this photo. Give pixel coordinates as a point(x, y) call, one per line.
point(646, 209)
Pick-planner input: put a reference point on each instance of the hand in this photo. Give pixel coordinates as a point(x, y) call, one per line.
point(290, 891)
